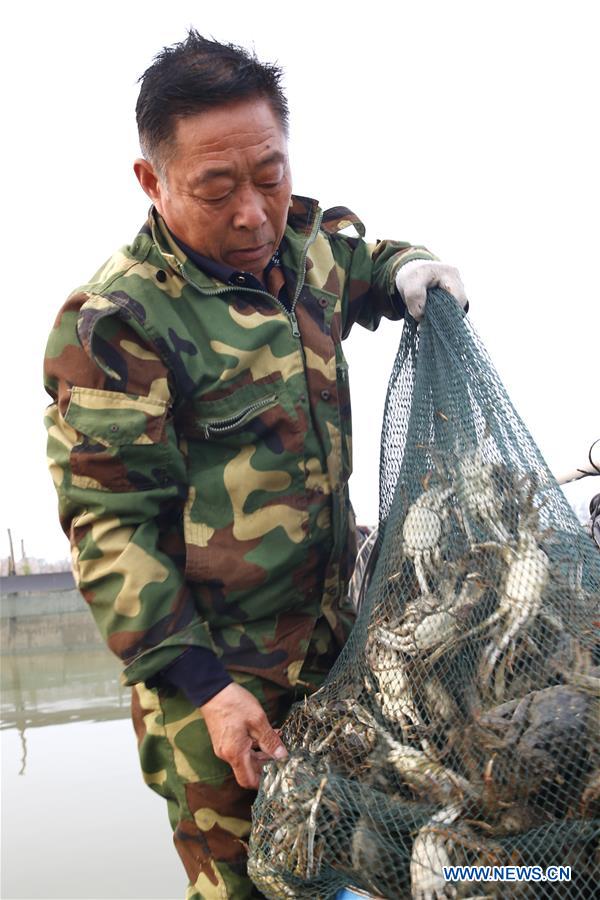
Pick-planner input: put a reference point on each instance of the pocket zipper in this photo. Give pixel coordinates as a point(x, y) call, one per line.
point(224, 426)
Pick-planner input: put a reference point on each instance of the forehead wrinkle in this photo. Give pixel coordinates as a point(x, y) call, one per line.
point(242, 139)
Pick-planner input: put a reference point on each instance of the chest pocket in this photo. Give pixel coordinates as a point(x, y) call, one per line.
point(242, 456)
point(246, 436)
point(122, 444)
point(232, 416)
point(116, 419)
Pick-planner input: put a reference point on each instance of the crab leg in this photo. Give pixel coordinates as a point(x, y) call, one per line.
point(312, 826)
point(429, 856)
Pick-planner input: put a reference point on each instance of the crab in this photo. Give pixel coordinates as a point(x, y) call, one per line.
point(547, 736)
point(289, 829)
point(423, 774)
point(422, 532)
point(525, 579)
point(340, 730)
point(395, 696)
point(436, 619)
point(430, 856)
point(476, 488)
point(280, 778)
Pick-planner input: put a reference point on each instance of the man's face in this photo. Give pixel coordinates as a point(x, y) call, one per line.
point(226, 188)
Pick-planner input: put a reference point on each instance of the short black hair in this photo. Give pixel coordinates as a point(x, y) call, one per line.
point(199, 74)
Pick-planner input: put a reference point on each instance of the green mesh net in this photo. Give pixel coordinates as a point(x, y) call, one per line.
point(460, 725)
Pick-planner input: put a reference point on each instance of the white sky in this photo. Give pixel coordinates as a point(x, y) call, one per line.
point(469, 127)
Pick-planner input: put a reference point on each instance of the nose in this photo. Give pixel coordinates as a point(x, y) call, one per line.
point(250, 213)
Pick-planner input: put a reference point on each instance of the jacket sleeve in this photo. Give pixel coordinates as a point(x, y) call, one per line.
point(369, 270)
point(121, 483)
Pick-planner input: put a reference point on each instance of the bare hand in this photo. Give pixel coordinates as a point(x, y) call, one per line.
point(237, 724)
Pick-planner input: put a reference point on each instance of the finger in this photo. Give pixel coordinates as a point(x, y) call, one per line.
point(258, 761)
point(415, 300)
point(448, 278)
point(260, 757)
point(247, 773)
point(453, 285)
point(255, 742)
point(269, 742)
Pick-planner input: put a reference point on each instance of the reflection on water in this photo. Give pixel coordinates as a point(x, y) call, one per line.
point(78, 823)
point(61, 686)
point(57, 687)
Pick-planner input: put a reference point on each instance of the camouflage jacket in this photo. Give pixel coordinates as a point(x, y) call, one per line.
point(200, 443)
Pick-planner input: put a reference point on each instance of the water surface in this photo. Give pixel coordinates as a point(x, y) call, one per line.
point(78, 822)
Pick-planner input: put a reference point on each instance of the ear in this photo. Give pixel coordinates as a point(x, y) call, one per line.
point(149, 181)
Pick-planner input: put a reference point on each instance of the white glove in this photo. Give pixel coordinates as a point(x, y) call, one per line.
point(415, 276)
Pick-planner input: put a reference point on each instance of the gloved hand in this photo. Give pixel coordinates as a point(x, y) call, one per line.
point(415, 276)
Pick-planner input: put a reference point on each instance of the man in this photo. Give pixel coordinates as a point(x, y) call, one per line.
point(200, 439)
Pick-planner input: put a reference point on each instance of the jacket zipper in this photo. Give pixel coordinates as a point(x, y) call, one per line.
point(290, 313)
point(224, 426)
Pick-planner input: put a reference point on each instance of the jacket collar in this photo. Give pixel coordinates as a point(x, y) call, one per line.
point(303, 223)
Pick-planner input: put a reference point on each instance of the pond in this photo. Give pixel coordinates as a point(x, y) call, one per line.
point(78, 822)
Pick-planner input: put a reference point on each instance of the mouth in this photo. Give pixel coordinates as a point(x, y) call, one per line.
point(251, 254)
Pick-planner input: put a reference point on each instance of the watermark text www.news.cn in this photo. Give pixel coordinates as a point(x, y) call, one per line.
point(507, 873)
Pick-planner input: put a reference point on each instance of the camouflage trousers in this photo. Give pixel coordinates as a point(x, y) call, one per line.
point(209, 812)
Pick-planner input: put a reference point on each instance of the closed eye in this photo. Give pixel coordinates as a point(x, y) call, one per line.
point(272, 183)
point(216, 199)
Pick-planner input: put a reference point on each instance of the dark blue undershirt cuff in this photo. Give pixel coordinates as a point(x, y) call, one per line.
point(197, 673)
point(398, 303)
